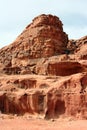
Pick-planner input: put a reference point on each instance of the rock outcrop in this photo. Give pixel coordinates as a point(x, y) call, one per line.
point(44, 73)
point(44, 37)
point(47, 96)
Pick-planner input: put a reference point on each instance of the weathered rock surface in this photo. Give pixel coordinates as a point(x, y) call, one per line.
point(44, 37)
point(48, 96)
point(78, 48)
point(44, 73)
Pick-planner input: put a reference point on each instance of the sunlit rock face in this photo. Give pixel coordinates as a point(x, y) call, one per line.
point(44, 73)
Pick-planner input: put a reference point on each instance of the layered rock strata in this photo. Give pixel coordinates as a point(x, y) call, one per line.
point(43, 73)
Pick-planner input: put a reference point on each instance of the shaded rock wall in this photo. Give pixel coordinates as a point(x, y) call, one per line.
point(57, 67)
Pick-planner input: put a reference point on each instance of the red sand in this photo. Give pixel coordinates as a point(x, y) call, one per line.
point(20, 123)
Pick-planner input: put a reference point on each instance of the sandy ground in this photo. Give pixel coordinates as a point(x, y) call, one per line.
point(22, 123)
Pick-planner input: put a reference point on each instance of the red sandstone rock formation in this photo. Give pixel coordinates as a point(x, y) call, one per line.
point(48, 96)
point(43, 73)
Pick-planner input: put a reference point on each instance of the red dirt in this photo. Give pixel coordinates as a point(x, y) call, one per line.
point(26, 123)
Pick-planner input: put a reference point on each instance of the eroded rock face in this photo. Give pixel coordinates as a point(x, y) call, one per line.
point(59, 68)
point(78, 48)
point(44, 73)
point(50, 97)
point(44, 37)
